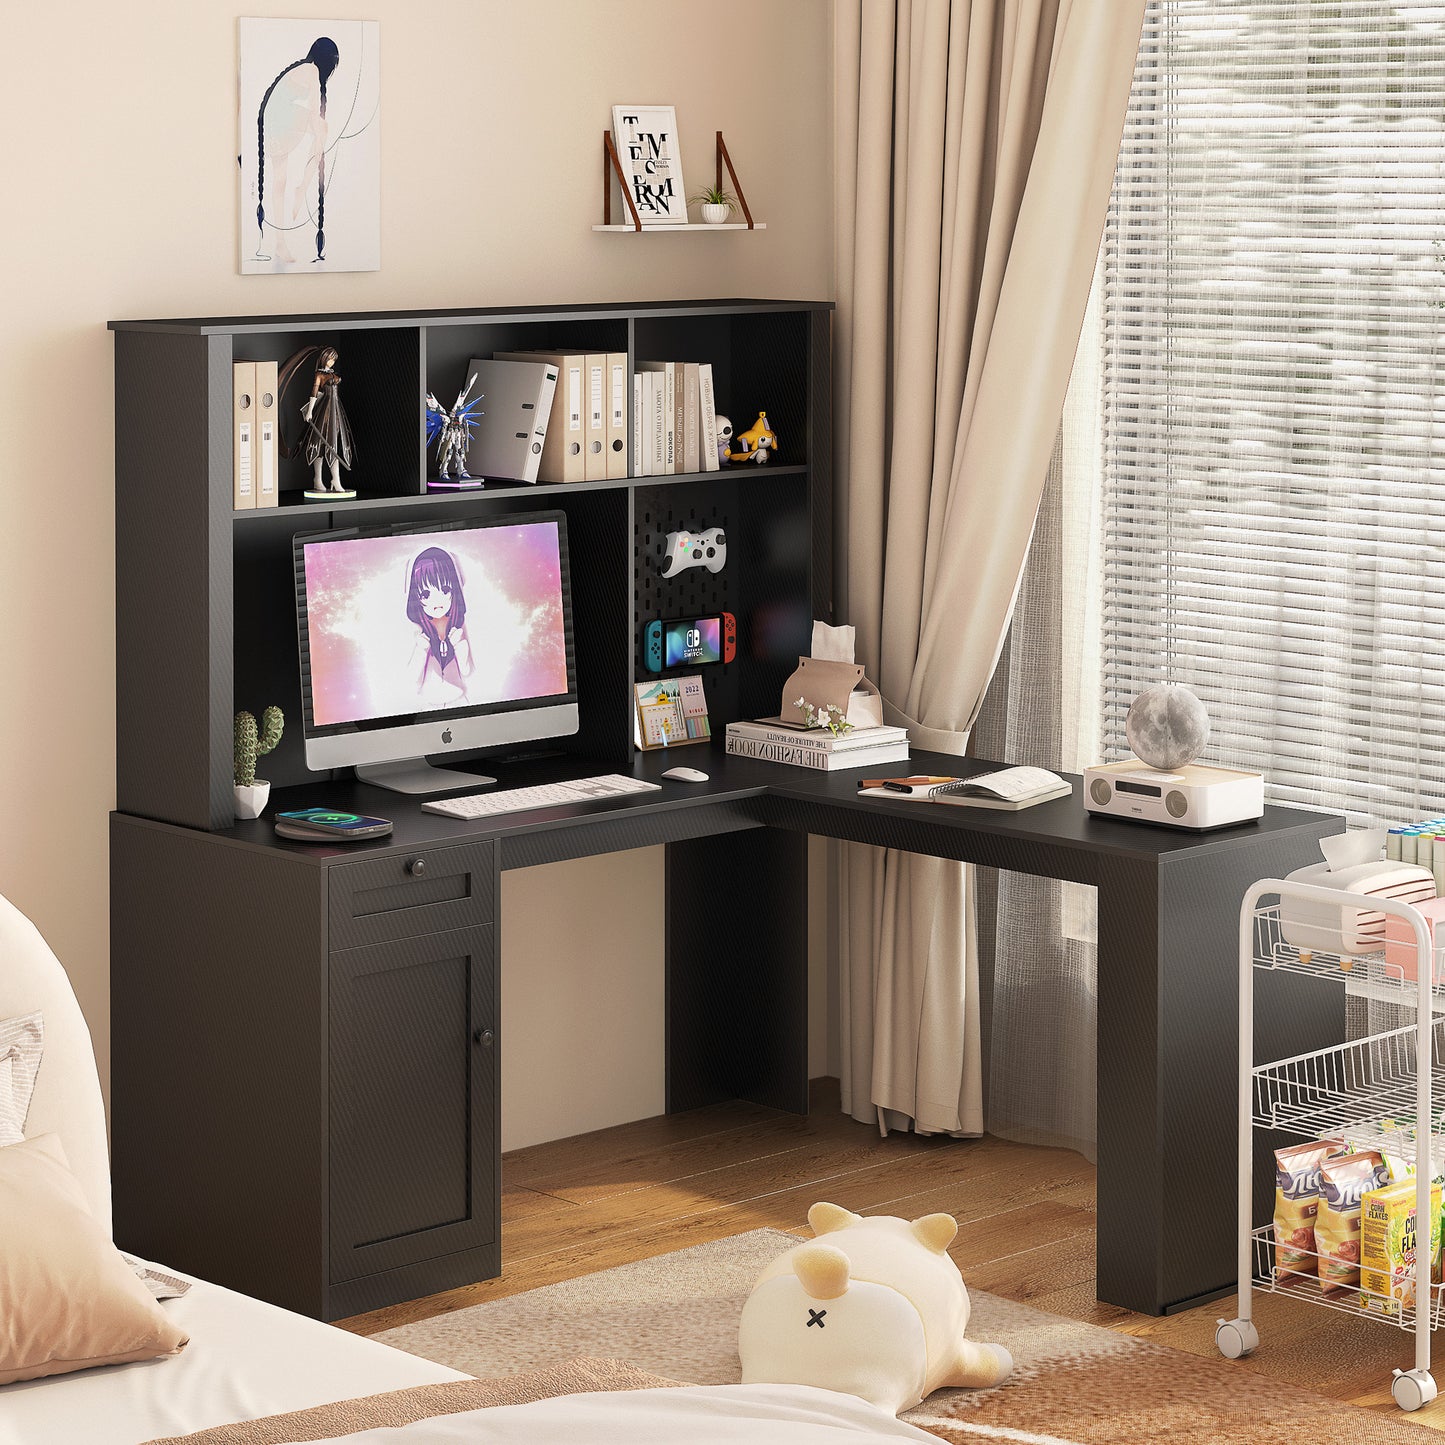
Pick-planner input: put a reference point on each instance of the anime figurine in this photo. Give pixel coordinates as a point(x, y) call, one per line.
point(452, 432)
point(724, 437)
point(325, 440)
point(756, 442)
point(436, 604)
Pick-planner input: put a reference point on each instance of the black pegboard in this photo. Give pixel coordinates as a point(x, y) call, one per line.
point(696, 592)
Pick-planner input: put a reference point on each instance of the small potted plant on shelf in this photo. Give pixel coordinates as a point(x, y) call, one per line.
point(717, 204)
point(254, 741)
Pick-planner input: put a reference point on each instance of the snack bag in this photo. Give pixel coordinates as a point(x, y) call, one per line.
point(1343, 1182)
point(1296, 1202)
point(1388, 1245)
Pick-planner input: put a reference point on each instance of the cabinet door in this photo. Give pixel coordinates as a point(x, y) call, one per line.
point(413, 1169)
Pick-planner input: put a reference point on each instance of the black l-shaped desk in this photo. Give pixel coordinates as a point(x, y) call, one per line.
point(305, 1038)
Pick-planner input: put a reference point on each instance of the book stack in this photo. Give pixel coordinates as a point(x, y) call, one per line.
point(773, 741)
point(674, 418)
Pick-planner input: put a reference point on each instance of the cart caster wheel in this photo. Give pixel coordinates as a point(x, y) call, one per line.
point(1236, 1338)
point(1413, 1388)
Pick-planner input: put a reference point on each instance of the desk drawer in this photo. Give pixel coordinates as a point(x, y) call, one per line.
point(405, 895)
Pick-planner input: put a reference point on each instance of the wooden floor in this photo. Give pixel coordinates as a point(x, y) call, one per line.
point(1026, 1226)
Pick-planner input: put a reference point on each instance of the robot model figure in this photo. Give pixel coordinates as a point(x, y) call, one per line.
point(452, 432)
point(326, 441)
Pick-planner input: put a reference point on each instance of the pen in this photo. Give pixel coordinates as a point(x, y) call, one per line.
point(904, 785)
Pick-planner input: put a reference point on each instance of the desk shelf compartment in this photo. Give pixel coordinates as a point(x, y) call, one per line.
point(1369, 1091)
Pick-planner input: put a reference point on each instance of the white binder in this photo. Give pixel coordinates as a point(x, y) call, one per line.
point(511, 432)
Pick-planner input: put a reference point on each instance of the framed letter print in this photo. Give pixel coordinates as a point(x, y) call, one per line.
point(310, 146)
point(646, 141)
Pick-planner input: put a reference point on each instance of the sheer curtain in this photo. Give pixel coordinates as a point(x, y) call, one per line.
point(1257, 510)
point(1038, 962)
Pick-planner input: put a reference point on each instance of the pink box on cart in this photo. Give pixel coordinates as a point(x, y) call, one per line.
point(1400, 939)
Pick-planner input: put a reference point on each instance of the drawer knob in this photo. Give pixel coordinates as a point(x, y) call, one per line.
point(485, 1037)
point(416, 867)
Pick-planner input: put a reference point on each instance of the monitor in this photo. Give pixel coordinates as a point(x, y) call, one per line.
point(433, 638)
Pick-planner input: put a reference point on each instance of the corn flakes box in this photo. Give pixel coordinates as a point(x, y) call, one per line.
point(1388, 1247)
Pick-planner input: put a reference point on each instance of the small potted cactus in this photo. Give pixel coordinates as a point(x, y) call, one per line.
point(252, 742)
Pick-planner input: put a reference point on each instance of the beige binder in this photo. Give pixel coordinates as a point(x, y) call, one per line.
point(595, 447)
point(619, 398)
point(268, 483)
point(243, 435)
point(563, 453)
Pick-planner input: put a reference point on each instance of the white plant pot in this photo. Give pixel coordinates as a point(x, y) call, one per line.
point(715, 215)
point(251, 802)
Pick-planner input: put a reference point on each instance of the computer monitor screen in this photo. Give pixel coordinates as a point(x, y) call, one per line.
point(418, 640)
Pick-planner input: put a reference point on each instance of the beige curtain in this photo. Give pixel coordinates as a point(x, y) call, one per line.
point(976, 142)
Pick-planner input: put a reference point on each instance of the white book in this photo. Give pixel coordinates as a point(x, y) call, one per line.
point(659, 425)
point(649, 424)
point(666, 373)
point(821, 762)
point(1008, 789)
point(691, 436)
point(820, 740)
point(707, 418)
point(639, 455)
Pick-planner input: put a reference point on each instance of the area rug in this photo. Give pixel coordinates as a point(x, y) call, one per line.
point(1073, 1384)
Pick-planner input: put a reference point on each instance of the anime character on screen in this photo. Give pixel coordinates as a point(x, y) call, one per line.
point(441, 660)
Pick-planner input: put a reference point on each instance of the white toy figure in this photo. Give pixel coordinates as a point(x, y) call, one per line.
point(724, 438)
point(877, 1311)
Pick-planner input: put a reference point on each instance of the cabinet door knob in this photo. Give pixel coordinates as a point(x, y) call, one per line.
point(416, 867)
point(485, 1037)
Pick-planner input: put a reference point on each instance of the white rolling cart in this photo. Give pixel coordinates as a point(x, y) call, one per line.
point(1359, 1091)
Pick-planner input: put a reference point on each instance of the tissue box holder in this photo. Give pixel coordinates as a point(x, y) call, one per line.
point(1345, 929)
point(1400, 941)
point(825, 683)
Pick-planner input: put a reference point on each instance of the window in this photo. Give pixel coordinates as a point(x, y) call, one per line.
point(1273, 393)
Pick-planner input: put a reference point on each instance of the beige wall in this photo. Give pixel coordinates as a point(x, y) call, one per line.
point(118, 178)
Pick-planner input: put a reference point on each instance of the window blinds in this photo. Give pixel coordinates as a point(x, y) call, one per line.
point(1273, 393)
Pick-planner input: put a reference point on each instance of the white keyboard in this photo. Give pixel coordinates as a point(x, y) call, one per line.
point(546, 795)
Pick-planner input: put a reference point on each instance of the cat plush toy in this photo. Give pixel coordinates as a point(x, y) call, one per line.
point(871, 1307)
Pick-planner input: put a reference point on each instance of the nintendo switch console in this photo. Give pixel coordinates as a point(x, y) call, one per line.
point(690, 641)
point(695, 549)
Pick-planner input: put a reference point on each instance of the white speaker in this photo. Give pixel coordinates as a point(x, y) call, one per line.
point(1193, 796)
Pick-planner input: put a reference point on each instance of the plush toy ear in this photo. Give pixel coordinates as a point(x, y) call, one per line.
point(822, 1270)
point(825, 1218)
point(936, 1231)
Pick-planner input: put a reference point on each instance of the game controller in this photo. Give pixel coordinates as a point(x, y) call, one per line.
point(695, 549)
point(729, 637)
point(652, 646)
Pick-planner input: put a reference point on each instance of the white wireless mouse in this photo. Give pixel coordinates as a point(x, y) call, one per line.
point(685, 775)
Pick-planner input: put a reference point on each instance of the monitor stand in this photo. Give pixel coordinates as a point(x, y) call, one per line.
point(416, 775)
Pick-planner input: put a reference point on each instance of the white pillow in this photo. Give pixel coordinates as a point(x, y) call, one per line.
point(22, 1041)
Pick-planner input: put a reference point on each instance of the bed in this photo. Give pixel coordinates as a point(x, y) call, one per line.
point(249, 1367)
point(245, 1359)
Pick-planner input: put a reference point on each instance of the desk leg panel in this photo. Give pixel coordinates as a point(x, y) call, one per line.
point(737, 970)
point(1167, 1055)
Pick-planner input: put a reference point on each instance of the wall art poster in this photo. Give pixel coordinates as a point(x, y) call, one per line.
point(310, 145)
point(646, 141)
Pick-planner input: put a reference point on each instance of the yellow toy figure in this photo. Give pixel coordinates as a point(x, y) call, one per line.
point(872, 1307)
point(756, 442)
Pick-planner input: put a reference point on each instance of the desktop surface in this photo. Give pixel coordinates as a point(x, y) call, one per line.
point(1062, 824)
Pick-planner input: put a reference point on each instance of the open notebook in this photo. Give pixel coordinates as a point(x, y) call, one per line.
point(1008, 789)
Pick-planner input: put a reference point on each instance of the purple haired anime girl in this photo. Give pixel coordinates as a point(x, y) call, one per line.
point(435, 602)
